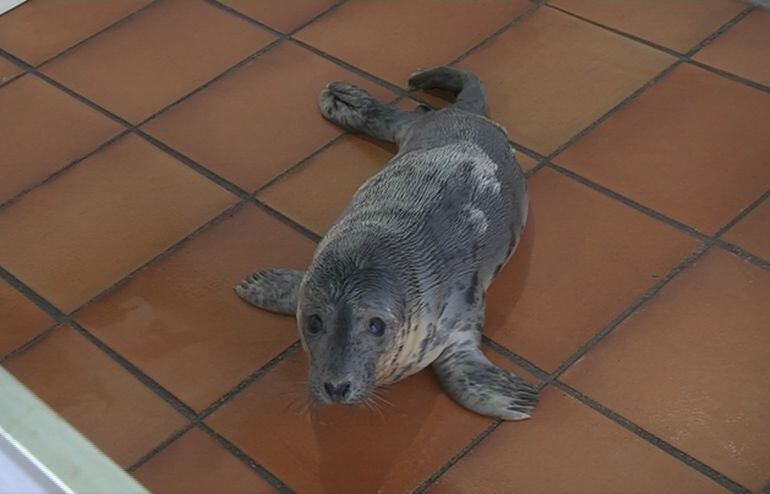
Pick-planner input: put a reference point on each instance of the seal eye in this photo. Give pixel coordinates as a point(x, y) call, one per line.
point(314, 324)
point(377, 326)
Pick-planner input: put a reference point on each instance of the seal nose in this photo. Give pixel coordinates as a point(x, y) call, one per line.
point(337, 391)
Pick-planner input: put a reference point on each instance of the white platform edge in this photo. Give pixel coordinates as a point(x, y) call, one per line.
point(55, 448)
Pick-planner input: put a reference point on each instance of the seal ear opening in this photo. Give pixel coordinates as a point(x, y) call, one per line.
point(275, 290)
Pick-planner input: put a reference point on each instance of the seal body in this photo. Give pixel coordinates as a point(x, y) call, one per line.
point(398, 282)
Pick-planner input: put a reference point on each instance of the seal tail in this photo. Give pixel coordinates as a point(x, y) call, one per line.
point(468, 88)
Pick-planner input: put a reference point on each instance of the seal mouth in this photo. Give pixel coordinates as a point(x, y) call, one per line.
point(340, 393)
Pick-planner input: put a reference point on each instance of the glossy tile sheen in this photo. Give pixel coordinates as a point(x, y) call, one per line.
point(744, 49)
point(97, 396)
point(582, 260)
point(753, 231)
point(284, 16)
point(550, 76)
point(7, 70)
point(692, 367)
point(693, 147)
point(39, 29)
point(566, 448)
point(180, 318)
point(260, 120)
point(158, 56)
point(345, 449)
point(196, 464)
point(73, 237)
point(393, 39)
point(21, 319)
point(342, 169)
point(676, 24)
point(42, 129)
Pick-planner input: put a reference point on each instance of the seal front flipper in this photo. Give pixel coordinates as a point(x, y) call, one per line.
point(479, 385)
point(275, 290)
point(354, 109)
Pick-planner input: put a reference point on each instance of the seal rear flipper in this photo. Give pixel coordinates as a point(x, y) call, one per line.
point(479, 385)
point(354, 109)
point(470, 92)
point(275, 290)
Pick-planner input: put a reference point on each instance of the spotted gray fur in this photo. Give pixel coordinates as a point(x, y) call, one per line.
point(417, 247)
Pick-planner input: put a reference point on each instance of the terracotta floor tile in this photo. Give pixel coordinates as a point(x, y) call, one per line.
point(692, 366)
point(743, 49)
point(677, 24)
point(393, 39)
point(583, 259)
point(694, 147)
point(41, 130)
point(550, 76)
point(7, 70)
point(39, 29)
point(753, 232)
point(284, 16)
point(72, 237)
point(157, 57)
point(343, 449)
point(342, 169)
point(196, 464)
point(21, 319)
point(260, 120)
point(180, 320)
point(566, 448)
point(96, 395)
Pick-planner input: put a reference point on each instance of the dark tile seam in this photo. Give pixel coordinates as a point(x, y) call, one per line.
point(216, 404)
point(744, 212)
point(650, 438)
point(686, 229)
point(246, 459)
point(11, 79)
point(89, 37)
point(159, 390)
point(28, 69)
point(197, 421)
point(687, 57)
point(63, 169)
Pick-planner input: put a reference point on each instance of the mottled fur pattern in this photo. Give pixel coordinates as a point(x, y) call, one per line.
point(416, 248)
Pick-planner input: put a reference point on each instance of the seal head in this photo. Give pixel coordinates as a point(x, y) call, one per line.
point(350, 311)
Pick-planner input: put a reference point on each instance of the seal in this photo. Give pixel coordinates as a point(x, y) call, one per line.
point(398, 282)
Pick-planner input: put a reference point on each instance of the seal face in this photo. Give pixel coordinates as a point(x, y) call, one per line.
point(398, 283)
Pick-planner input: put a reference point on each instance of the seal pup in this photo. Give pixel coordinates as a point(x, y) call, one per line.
point(398, 282)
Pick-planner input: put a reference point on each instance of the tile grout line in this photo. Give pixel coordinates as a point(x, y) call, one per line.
point(77, 44)
point(682, 227)
point(652, 439)
point(246, 459)
point(631, 309)
point(742, 214)
point(215, 405)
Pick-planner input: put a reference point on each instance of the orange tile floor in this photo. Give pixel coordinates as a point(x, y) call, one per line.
point(155, 152)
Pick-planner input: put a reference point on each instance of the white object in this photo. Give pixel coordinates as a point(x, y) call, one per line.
point(42, 453)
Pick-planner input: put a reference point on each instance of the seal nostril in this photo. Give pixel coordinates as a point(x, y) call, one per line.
point(337, 391)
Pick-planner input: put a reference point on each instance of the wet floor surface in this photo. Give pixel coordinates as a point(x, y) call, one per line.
point(155, 152)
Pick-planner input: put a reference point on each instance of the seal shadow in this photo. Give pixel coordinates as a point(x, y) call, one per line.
point(507, 287)
point(384, 440)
